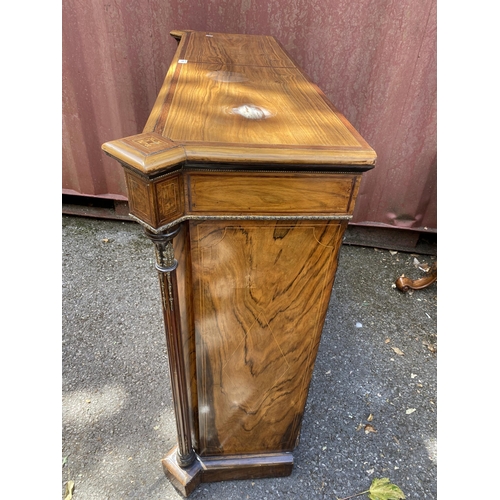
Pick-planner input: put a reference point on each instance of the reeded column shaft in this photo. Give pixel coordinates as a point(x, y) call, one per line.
point(166, 265)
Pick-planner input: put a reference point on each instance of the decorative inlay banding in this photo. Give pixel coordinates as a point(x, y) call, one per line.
point(148, 142)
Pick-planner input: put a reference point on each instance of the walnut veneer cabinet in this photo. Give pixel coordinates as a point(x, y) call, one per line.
point(245, 178)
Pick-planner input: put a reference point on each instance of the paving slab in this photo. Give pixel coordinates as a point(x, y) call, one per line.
point(372, 404)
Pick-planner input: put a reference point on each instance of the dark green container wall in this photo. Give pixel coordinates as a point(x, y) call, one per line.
point(374, 59)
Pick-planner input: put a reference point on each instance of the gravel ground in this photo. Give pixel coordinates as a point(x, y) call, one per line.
point(372, 404)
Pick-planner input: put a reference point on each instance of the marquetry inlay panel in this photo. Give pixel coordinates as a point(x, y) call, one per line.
point(139, 198)
point(169, 198)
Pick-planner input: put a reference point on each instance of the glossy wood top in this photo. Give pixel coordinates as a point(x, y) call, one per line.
point(240, 99)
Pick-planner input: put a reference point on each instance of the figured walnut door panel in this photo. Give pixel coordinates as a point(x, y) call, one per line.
point(261, 291)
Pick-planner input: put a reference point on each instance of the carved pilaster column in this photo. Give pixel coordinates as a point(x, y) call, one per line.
point(166, 265)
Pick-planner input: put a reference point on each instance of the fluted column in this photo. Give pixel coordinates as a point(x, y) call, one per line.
point(166, 264)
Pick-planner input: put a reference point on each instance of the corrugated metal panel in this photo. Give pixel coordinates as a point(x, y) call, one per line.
point(375, 60)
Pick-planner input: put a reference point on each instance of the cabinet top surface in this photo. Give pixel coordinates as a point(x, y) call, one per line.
point(230, 98)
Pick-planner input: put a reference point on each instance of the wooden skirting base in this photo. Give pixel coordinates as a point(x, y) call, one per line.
point(211, 469)
point(185, 480)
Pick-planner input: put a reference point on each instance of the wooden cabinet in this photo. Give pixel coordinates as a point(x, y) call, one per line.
point(245, 178)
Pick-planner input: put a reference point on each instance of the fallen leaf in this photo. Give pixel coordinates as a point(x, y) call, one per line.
point(370, 417)
point(359, 427)
point(68, 492)
point(383, 489)
point(409, 411)
point(105, 240)
point(369, 428)
point(431, 347)
point(387, 341)
point(399, 352)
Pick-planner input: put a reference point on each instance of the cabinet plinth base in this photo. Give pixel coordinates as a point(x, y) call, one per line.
point(212, 469)
point(184, 479)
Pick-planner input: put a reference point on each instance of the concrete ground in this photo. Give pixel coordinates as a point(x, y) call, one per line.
point(371, 411)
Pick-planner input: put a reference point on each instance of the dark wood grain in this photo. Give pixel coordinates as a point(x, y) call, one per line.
point(234, 98)
point(261, 291)
point(254, 174)
point(265, 193)
point(233, 48)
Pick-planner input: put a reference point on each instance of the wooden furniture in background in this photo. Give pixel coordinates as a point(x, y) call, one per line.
point(404, 284)
point(244, 177)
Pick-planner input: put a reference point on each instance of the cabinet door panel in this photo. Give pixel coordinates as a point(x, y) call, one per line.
point(261, 291)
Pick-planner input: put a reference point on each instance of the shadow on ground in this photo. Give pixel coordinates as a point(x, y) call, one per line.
point(371, 410)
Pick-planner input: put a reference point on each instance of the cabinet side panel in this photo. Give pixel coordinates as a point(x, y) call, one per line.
point(261, 291)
